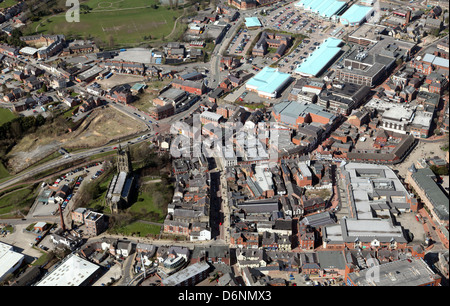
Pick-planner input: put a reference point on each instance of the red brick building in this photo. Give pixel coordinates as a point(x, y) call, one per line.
point(306, 237)
point(194, 87)
point(162, 112)
point(245, 239)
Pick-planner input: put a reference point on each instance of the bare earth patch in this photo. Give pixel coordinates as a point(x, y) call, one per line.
point(101, 127)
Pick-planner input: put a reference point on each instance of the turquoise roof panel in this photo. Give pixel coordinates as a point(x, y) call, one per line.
point(268, 80)
point(314, 64)
point(252, 22)
point(355, 14)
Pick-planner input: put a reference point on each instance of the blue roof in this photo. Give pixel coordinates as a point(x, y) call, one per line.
point(355, 14)
point(314, 64)
point(325, 8)
point(268, 80)
point(252, 22)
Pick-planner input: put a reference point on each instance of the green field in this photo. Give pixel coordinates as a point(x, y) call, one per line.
point(8, 3)
point(17, 200)
point(140, 229)
point(6, 115)
point(115, 23)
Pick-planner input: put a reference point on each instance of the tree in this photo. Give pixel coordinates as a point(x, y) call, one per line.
point(44, 88)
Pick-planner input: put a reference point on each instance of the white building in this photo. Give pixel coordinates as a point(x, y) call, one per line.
point(73, 271)
point(10, 260)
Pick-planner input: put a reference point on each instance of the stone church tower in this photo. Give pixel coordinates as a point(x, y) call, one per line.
point(121, 185)
point(123, 160)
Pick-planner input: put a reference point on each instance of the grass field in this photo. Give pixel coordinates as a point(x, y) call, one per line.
point(147, 205)
point(20, 199)
point(6, 115)
point(140, 229)
point(116, 23)
point(8, 3)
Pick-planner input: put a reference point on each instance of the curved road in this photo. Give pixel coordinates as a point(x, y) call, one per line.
point(62, 160)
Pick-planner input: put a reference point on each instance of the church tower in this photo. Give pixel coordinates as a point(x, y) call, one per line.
point(123, 160)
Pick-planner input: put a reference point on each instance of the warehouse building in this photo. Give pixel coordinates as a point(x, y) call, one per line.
point(73, 271)
point(10, 260)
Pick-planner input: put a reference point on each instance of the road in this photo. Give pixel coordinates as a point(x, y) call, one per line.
point(63, 160)
point(218, 52)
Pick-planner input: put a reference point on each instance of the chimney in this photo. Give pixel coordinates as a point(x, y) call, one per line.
point(61, 217)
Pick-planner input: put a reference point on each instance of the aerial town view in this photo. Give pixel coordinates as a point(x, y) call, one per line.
point(210, 144)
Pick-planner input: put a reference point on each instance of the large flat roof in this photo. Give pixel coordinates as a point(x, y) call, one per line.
point(290, 110)
point(435, 60)
point(8, 259)
point(268, 80)
point(405, 272)
point(321, 57)
point(355, 14)
point(74, 271)
point(325, 8)
point(185, 274)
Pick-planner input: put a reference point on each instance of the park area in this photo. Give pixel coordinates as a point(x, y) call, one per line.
point(116, 23)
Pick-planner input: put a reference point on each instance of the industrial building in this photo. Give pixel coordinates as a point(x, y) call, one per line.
point(10, 260)
point(72, 271)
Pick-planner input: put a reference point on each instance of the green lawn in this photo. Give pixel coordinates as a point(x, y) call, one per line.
point(145, 205)
point(6, 115)
point(139, 228)
point(123, 23)
point(21, 199)
point(99, 199)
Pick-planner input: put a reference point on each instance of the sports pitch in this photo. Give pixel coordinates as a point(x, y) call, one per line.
point(126, 21)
